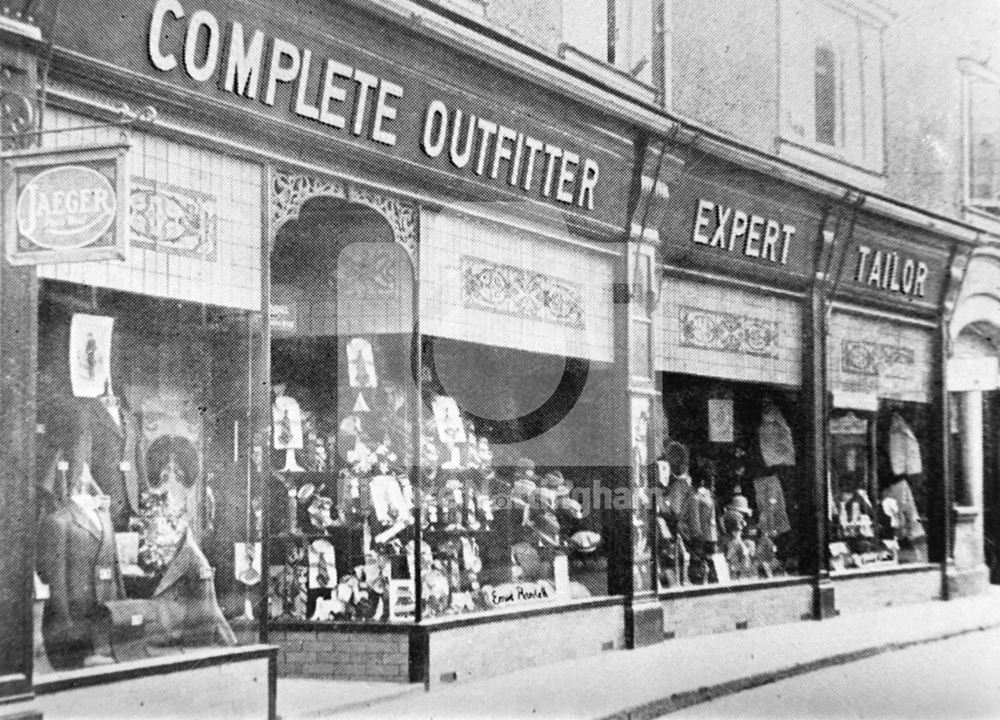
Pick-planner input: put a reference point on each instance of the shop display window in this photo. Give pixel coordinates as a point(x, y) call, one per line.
point(878, 486)
point(148, 501)
point(341, 492)
point(534, 516)
point(729, 486)
point(383, 487)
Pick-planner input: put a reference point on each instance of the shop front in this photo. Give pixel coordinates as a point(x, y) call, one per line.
point(147, 359)
point(347, 383)
point(420, 372)
point(890, 496)
point(801, 472)
point(736, 515)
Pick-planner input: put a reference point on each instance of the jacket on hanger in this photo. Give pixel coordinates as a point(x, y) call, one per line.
point(771, 510)
point(904, 450)
point(697, 520)
point(909, 527)
point(676, 499)
point(776, 446)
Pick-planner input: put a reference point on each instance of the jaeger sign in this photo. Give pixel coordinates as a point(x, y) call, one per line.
point(66, 205)
point(336, 86)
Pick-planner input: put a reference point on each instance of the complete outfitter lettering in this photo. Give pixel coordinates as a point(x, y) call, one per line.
point(353, 100)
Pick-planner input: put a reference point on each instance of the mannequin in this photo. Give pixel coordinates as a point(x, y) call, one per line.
point(112, 446)
point(78, 560)
point(672, 474)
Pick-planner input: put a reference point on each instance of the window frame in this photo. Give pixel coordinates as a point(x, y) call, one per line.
point(973, 71)
point(865, 14)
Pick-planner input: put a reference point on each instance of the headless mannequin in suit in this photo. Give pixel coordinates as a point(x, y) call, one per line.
point(111, 446)
point(78, 560)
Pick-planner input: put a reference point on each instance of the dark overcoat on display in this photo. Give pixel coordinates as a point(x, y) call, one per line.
point(78, 561)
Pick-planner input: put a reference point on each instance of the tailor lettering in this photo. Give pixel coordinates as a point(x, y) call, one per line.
point(888, 270)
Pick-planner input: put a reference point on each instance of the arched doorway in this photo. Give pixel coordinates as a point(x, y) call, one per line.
point(343, 391)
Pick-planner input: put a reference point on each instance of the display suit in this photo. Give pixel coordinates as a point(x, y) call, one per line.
point(78, 561)
point(115, 453)
point(185, 596)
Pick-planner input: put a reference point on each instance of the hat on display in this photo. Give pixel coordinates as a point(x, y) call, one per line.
point(305, 492)
point(524, 466)
point(526, 557)
point(585, 541)
point(571, 507)
point(554, 480)
point(524, 489)
point(548, 497)
point(739, 504)
point(435, 587)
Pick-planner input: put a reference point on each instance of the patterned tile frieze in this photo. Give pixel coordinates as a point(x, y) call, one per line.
point(860, 357)
point(516, 291)
point(880, 357)
point(728, 332)
point(172, 219)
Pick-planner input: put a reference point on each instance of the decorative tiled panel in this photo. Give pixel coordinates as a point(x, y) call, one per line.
point(860, 357)
point(879, 357)
point(495, 284)
point(516, 291)
point(197, 235)
point(173, 219)
point(729, 333)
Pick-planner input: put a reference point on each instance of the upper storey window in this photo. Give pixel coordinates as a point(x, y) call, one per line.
point(626, 35)
point(832, 99)
point(981, 161)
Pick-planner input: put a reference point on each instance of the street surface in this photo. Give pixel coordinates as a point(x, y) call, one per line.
point(957, 678)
